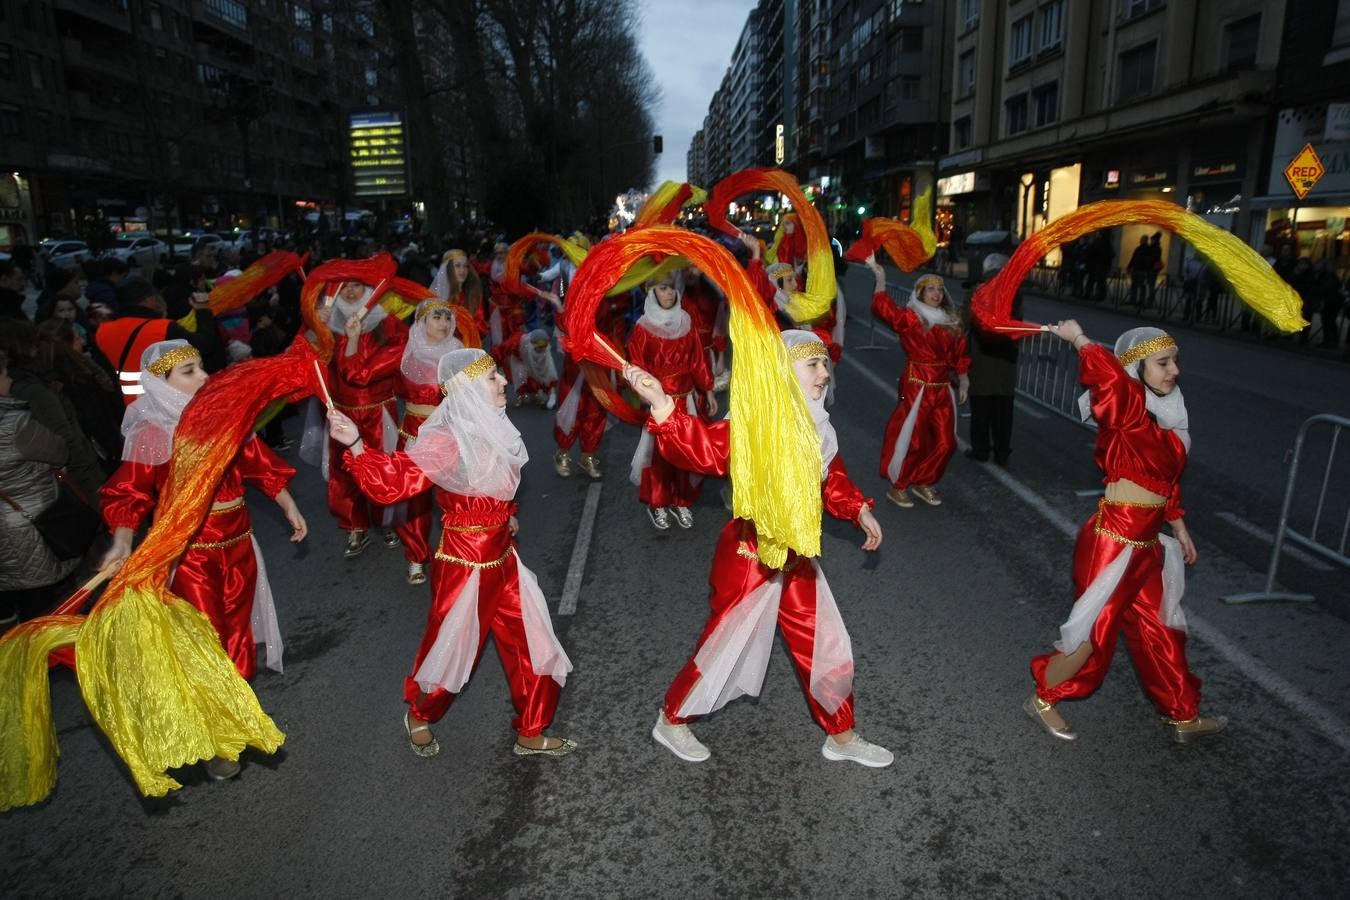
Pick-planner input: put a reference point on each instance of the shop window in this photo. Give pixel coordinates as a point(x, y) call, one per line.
point(1015, 114)
point(1045, 104)
point(1019, 47)
point(965, 74)
point(1052, 24)
point(1135, 72)
point(961, 134)
point(1240, 41)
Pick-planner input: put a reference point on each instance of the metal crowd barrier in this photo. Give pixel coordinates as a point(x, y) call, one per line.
point(1047, 375)
point(1285, 531)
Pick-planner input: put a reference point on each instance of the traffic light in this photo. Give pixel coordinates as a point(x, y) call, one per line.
point(656, 144)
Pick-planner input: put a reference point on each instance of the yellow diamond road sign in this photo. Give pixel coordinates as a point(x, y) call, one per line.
point(1304, 171)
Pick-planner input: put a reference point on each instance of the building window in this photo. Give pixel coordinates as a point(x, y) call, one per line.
point(1135, 73)
point(231, 12)
point(9, 119)
point(911, 87)
point(1240, 40)
point(1052, 24)
point(911, 40)
point(302, 17)
point(372, 78)
point(965, 74)
point(961, 135)
point(1019, 48)
point(156, 17)
point(1015, 114)
point(1045, 105)
point(6, 63)
point(1131, 8)
point(35, 71)
point(970, 14)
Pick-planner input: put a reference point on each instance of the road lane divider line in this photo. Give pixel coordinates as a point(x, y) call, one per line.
point(581, 549)
point(1283, 690)
point(1266, 537)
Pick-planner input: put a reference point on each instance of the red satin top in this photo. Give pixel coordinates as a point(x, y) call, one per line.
point(694, 445)
point(412, 392)
point(933, 354)
point(1130, 444)
point(474, 528)
point(370, 374)
point(680, 363)
point(133, 490)
point(701, 302)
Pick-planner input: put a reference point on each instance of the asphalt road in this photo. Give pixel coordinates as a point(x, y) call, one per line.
point(944, 619)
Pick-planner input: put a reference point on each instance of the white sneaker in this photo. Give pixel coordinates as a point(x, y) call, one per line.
point(684, 517)
point(858, 751)
point(660, 518)
point(678, 739)
point(416, 574)
point(552, 399)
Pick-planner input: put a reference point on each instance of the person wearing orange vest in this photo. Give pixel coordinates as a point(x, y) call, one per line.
point(140, 323)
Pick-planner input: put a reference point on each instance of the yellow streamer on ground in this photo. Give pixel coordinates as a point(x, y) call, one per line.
point(28, 749)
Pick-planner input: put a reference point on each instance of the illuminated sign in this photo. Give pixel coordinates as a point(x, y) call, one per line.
point(779, 151)
point(962, 183)
point(1304, 171)
point(1112, 179)
point(378, 154)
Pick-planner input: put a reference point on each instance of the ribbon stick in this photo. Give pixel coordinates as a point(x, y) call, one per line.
point(323, 387)
point(380, 287)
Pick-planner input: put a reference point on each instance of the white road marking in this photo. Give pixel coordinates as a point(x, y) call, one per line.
point(581, 549)
point(1264, 536)
point(1324, 719)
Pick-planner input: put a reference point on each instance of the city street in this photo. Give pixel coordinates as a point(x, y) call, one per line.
point(944, 618)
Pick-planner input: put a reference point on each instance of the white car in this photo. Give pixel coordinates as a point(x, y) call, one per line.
point(190, 241)
point(68, 255)
point(138, 249)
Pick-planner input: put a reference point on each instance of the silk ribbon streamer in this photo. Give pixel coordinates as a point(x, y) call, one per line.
point(908, 247)
point(263, 274)
point(1246, 271)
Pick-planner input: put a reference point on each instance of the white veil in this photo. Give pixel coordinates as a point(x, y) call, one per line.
point(829, 439)
point(664, 323)
point(1169, 410)
point(421, 355)
point(468, 446)
point(150, 422)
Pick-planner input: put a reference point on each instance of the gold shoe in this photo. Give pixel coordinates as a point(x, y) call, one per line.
point(417, 573)
point(1185, 732)
point(566, 747)
point(899, 498)
point(1036, 708)
point(426, 751)
point(590, 465)
point(926, 493)
point(562, 464)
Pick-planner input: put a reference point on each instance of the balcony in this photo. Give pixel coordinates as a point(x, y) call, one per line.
point(108, 13)
point(95, 59)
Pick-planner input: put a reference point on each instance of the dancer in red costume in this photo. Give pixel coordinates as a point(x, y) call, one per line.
point(1127, 575)
point(363, 380)
point(472, 455)
point(529, 363)
point(920, 435)
point(221, 573)
point(748, 598)
point(707, 309)
point(430, 337)
point(776, 283)
point(665, 344)
point(457, 283)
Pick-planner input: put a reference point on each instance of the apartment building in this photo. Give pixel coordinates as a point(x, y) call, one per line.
point(1057, 103)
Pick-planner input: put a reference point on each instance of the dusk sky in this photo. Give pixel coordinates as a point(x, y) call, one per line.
point(688, 44)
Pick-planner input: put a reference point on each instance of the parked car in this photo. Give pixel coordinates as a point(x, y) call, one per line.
point(191, 240)
point(237, 241)
point(64, 254)
point(136, 248)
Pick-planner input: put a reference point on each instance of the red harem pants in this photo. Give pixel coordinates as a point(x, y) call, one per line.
point(735, 574)
point(1135, 607)
point(535, 697)
point(663, 484)
point(934, 439)
point(218, 574)
point(353, 509)
point(590, 424)
point(415, 531)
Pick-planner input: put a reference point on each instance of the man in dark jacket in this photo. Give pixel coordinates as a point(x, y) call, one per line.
point(12, 281)
point(993, 382)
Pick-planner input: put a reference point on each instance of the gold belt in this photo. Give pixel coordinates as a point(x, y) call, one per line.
point(1130, 503)
point(225, 506)
point(421, 410)
point(218, 545)
point(1120, 538)
point(473, 564)
point(367, 406)
point(406, 436)
point(936, 384)
point(473, 528)
point(743, 550)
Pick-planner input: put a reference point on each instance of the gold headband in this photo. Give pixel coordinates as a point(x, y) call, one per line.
point(175, 357)
point(928, 279)
point(1147, 348)
point(807, 351)
point(484, 363)
point(430, 307)
point(454, 254)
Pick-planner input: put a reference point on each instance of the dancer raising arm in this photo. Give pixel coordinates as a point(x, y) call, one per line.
point(469, 450)
point(748, 597)
point(1127, 575)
